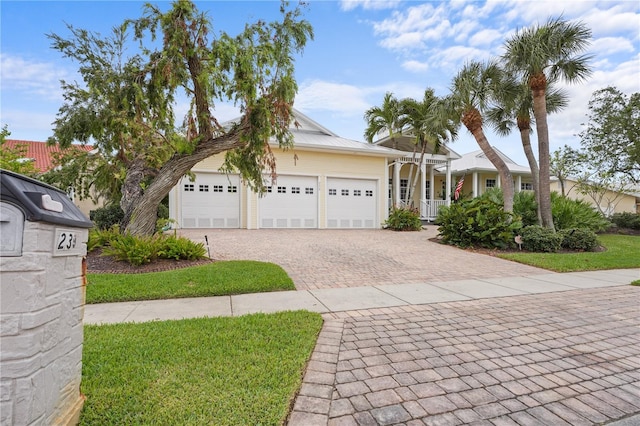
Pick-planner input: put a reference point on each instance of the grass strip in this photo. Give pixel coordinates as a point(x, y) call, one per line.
point(214, 279)
point(218, 371)
point(621, 253)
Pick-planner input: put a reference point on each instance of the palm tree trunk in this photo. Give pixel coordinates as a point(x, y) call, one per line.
point(415, 177)
point(533, 165)
point(500, 165)
point(542, 129)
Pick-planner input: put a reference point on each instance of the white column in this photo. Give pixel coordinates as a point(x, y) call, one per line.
point(396, 183)
point(431, 182)
point(423, 187)
point(498, 181)
point(518, 183)
point(448, 187)
point(475, 184)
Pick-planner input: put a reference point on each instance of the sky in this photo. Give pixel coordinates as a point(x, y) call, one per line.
point(361, 50)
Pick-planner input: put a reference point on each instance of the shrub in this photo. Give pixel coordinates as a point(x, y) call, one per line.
point(404, 219)
point(626, 220)
point(540, 239)
point(181, 248)
point(99, 238)
point(525, 206)
point(106, 217)
point(135, 250)
point(579, 239)
point(571, 214)
point(478, 222)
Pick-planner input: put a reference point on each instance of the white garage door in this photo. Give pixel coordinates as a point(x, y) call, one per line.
point(292, 202)
point(211, 201)
point(352, 203)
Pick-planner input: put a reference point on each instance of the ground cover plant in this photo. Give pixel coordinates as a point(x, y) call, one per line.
point(621, 251)
point(223, 371)
point(212, 279)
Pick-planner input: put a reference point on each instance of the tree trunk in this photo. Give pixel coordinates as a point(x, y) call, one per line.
point(142, 219)
point(540, 112)
point(132, 190)
point(415, 177)
point(500, 165)
point(533, 165)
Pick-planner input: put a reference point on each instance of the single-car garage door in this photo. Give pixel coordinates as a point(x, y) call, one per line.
point(351, 203)
point(211, 201)
point(292, 202)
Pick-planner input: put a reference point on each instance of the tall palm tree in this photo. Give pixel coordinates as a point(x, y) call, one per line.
point(430, 122)
point(474, 91)
point(384, 118)
point(505, 120)
point(541, 54)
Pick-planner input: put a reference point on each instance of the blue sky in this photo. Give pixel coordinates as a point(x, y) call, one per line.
point(361, 50)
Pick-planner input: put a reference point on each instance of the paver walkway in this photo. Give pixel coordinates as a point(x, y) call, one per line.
point(562, 358)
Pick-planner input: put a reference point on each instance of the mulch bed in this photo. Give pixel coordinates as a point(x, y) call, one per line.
point(96, 263)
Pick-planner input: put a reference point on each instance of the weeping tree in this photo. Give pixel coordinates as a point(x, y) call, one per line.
point(475, 91)
point(520, 116)
point(125, 107)
point(543, 53)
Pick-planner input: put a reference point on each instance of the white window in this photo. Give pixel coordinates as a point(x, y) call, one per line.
point(204, 188)
point(526, 186)
point(189, 187)
point(333, 192)
point(269, 189)
point(404, 184)
point(232, 188)
point(357, 193)
point(295, 189)
point(282, 190)
point(368, 193)
point(308, 191)
point(490, 183)
point(218, 188)
point(345, 192)
point(427, 188)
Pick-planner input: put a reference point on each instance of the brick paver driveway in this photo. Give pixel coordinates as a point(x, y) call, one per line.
point(565, 358)
point(347, 258)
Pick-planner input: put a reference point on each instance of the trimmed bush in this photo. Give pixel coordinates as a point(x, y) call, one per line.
point(525, 206)
point(135, 250)
point(540, 239)
point(106, 217)
point(579, 239)
point(140, 250)
point(404, 219)
point(626, 220)
point(480, 222)
point(181, 248)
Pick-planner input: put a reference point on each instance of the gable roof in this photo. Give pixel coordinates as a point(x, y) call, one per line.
point(41, 152)
point(478, 161)
point(406, 142)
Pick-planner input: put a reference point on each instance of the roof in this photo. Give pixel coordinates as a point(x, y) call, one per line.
point(478, 161)
point(406, 142)
point(41, 152)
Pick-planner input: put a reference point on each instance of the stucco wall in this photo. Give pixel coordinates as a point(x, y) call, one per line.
point(41, 335)
point(618, 202)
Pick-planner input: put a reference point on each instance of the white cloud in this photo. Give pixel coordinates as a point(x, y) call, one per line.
point(347, 5)
point(328, 96)
point(486, 37)
point(415, 66)
point(610, 45)
point(37, 78)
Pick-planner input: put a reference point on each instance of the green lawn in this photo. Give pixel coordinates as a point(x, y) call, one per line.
point(214, 279)
point(218, 371)
point(622, 251)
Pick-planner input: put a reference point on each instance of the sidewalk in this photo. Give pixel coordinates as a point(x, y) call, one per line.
point(354, 298)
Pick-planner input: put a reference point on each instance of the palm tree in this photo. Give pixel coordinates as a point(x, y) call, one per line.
point(383, 118)
point(430, 122)
point(541, 54)
point(504, 120)
point(474, 90)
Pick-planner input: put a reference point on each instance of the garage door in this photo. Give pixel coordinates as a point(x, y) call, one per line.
point(211, 201)
point(352, 203)
point(292, 202)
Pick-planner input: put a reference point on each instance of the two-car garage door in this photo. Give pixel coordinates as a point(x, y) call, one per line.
point(213, 201)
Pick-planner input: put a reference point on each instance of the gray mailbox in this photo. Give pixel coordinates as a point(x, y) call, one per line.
point(42, 293)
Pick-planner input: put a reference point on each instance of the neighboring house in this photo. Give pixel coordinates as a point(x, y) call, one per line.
point(325, 181)
point(609, 202)
point(41, 154)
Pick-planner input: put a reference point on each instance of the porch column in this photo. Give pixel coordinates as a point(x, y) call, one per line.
point(475, 184)
point(518, 183)
point(431, 182)
point(396, 183)
point(423, 187)
point(448, 187)
point(498, 181)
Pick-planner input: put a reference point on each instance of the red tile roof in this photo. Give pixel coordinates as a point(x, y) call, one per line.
point(41, 152)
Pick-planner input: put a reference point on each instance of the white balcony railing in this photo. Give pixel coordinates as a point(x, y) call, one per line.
point(429, 208)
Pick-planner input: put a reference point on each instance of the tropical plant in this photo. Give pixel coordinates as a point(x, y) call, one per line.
point(404, 219)
point(125, 104)
point(569, 214)
point(540, 239)
point(541, 54)
point(13, 158)
point(475, 90)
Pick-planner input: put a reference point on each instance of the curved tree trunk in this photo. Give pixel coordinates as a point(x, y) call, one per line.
point(538, 87)
point(142, 218)
point(533, 165)
point(132, 189)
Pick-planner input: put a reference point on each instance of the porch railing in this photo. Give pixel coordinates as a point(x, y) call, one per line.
point(429, 208)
